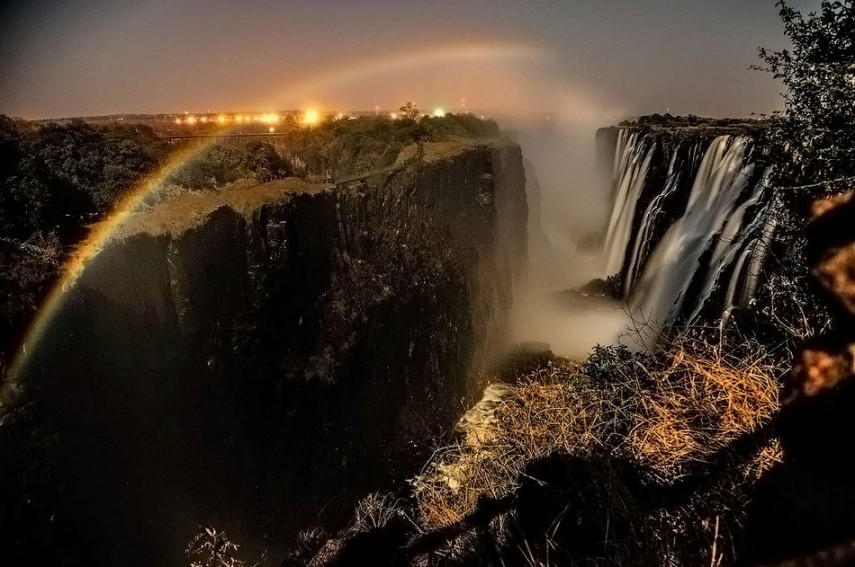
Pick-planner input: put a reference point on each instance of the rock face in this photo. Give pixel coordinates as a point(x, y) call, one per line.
point(263, 362)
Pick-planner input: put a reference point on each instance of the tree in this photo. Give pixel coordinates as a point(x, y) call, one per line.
point(813, 140)
point(33, 197)
point(263, 163)
point(409, 111)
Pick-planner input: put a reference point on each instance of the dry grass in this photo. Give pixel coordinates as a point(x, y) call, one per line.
point(667, 415)
point(375, 511)
point(700, 404)
point(542, 415)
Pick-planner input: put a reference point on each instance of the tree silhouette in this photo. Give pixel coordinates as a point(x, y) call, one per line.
point(409, 111)
point(813, 140)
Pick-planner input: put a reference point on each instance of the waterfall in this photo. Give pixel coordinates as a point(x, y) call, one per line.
point(746, 273)
point(632, 160)
point(654, 211)
point(717, 242)
point(735, 238)
point(758, 258)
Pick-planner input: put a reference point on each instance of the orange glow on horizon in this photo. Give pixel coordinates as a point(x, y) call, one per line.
point(311, 117)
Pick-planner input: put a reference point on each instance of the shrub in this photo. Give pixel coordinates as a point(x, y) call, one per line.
point(813, 139)
point(635, 425)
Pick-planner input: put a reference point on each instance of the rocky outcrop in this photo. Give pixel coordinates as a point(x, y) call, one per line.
point(259, 359)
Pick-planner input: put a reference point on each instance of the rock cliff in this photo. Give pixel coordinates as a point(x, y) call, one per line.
point(249, 358)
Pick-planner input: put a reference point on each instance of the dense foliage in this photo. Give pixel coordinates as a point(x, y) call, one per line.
point(227, 162)
point(341, 147)
point(56, 177)
point(814, 138)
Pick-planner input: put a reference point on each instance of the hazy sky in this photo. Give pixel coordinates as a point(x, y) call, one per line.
point(84, 57)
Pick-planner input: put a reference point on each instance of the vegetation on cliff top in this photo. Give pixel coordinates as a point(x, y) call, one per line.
point(344, 147)
point(57, 178)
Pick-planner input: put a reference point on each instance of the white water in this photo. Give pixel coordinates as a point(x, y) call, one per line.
point(758, 258)
point(734, 238)
point(714, 228)
point(632, 160)
point(648, 219)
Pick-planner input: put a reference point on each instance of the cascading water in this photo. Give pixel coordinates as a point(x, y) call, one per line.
point(751, 274)
point(738, 236)
point(632, 160)
point(715, 242)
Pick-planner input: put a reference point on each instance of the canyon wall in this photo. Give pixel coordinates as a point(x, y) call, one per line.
point(257, 359)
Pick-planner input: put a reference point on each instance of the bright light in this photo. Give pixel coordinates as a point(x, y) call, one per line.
point(268, 118)
point(339, 116)
point(191, 120)
point(221, 118)
point(439, 112)
point(203, 119)
point(178, 121)
point(311, 117)
point(394, 116)
point(271, 130)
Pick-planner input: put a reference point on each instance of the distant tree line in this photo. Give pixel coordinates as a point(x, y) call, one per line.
point(366, 143)
point(59, 176)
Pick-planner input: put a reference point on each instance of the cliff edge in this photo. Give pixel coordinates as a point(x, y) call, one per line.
point(248, 357)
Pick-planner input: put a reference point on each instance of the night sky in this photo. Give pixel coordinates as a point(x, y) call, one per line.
point(74, 58)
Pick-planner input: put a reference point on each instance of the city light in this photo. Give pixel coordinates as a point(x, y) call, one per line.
point(311, 117)
point(191, 120)
point(394, 116)
point(222, 118)
point(271, 130)
point(178, 121)
point(439, 113)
